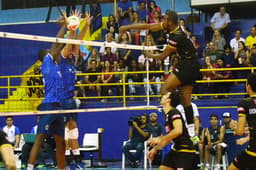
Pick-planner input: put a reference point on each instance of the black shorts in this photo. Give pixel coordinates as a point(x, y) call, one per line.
point(245, 161)
point(188, 71)
point(179, 160)
point(3, 138)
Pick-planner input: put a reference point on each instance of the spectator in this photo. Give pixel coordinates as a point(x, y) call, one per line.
point(242, 53)
point(156, 17)
point(138, 133)
point(125, 54)
point(228, 56)
point(207, 75)
point(93, 79)
point(235, 41)
point(212, 51)
point(12, 131)
point(80, 66)
point(111, 57)
point(121, 67)
point(124, 12)
point(159, 76)
point(251, 39)
point(135, 77)
point(253, 56)
point(218, 40)
point(152, 78)
point(94, 56)
point(109, 39)
point(184, 28)
point(142, 11)
point(107, 78)
point(215, 136)
point(229, 124)
point(135, 34)
point(156, 130)
point(152, 8)
point(195, 42)
point(112, 23)
point(223, 87)
point(220, 21)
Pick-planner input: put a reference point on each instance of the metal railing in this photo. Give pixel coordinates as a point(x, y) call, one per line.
point(122, 84)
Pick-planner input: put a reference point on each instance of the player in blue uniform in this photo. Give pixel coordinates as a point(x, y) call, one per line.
point(52, 124)
point(68, 71)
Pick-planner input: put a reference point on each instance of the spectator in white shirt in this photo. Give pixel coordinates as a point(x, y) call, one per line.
point(13, 132)
point(220, 21)
point(235, 41)
point(109, 39)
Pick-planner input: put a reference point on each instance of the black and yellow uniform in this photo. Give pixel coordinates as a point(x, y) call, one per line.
point(3, 140)
point(182, 154)
point(188, 67)
point(247, 159)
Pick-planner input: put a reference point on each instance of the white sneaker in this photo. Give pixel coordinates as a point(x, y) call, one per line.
point(207, 167)
point(217, 167)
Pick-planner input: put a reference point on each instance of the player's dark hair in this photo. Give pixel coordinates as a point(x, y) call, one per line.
point(8, 117)
point(251, 80)
point(41, 54)
point(214, 115)
point(175, 98)
point(171, 15)
point(144, 114)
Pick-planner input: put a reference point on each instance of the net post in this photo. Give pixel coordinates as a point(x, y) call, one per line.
point(124, 90)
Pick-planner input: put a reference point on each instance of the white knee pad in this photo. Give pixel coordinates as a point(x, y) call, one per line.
point(66, 136)
point(73, 133)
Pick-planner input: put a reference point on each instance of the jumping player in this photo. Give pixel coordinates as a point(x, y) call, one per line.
point(182, 154)
point(53, 87)
point(68, 72)
point(247, 114)
point(187, 72)
point(6, 150)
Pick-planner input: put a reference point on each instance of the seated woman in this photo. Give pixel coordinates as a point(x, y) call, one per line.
point(107, 78)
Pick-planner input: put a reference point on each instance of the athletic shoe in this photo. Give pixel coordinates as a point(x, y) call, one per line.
point(40, 166)
point(80, 166)
point(23, 166)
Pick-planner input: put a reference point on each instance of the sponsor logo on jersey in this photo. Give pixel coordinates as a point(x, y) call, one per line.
point(171, 42)
point(240, 109)
point(176, 116)
point(252, 111)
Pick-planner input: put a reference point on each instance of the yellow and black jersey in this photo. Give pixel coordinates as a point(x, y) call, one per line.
point(179, 40)
point(247, 107)
point(182, 143)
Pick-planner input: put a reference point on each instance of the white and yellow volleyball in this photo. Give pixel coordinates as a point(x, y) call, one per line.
point(73, 22)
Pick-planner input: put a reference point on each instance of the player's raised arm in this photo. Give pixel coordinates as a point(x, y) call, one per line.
point(151, 27)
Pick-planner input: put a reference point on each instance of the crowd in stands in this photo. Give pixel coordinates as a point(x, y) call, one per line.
point(222, 49)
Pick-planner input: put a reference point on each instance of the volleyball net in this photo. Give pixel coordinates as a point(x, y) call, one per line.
point(135, 83)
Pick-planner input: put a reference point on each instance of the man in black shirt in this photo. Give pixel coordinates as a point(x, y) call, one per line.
point(182, 154)
point(187, 71)
point(93, 79)
point(247, 114)
point(137, 135)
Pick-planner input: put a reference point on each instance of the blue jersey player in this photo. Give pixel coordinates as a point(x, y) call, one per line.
point(68, 72)
point(52, 124)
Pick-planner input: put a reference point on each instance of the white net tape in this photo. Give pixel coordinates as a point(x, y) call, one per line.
point(79, 110)
point(72, 41)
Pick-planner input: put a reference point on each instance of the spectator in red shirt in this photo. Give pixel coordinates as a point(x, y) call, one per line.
point(107, 78)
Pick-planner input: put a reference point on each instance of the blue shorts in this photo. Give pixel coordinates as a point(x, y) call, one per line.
point(52, 124)
point(68, 104)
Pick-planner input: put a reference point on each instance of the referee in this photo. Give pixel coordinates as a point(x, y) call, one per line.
point(188, 69)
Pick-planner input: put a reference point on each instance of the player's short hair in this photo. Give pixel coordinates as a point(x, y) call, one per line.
point(173, 16)
point(41, 54)
point(175, 98)
point(251, 80)
point(8, 117)
point(214, 115)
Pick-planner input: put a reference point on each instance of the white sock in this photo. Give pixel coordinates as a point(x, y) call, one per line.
point(30, 167)
point(76, 152)
point(67, 152)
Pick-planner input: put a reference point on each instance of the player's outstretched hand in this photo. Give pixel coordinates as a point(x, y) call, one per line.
point(62, 20)
point(123, 29)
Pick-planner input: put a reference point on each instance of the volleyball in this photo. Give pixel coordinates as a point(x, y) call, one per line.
point(73, 23)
